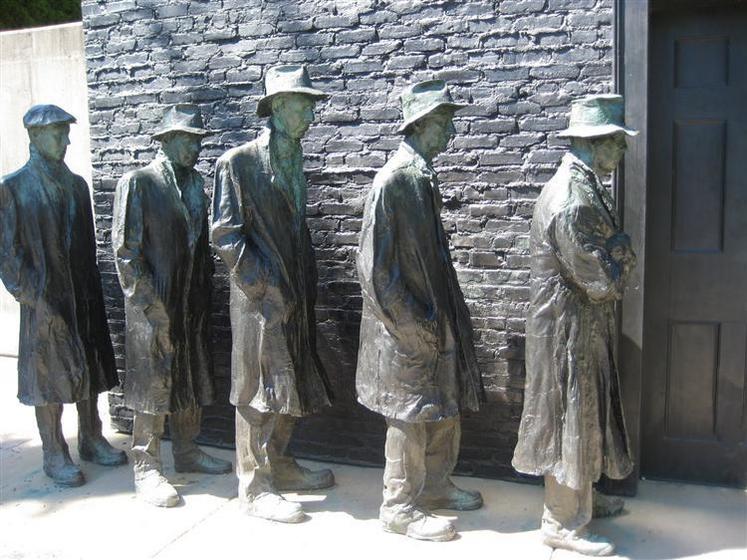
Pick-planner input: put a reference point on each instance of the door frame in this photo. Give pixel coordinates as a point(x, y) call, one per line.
point(632, 40)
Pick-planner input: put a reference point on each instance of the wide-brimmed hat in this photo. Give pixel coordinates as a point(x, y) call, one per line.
point(597, 115)
point(293, 78)
point(423, 98)
point(44, 115)
point(183, 117)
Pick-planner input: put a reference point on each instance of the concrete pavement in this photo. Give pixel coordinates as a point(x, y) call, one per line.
point(103, 520)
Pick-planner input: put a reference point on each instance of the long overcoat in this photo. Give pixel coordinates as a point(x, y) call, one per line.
point(162, 253)
point(416, 359)
point(572, 425)
point(262, 237)
point(48, 264)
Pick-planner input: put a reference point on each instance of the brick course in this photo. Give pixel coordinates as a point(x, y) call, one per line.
point(517, 62)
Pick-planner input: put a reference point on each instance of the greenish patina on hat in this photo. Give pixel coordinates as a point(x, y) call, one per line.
point(597, 115)
point(44, 115)
point(423, 98)
point(291, 78)
point(183, 117)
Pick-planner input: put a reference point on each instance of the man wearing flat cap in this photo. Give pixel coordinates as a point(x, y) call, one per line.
point(259, 230)
point(572, 429)
point(48, 264)
point(416, 360)
point(162, 253)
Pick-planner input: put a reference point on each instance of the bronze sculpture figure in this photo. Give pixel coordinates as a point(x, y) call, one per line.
point(162, 251)
point(259, 230)
point(572, 429)
point(48, 264)
point(416, 361)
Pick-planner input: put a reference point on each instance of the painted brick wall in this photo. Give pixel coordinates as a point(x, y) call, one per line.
point(517, 62)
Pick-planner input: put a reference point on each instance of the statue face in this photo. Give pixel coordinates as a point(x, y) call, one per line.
point(182, 148)
point(436, 130)
point(608, 151)
point(51, 140)
point(294, 113)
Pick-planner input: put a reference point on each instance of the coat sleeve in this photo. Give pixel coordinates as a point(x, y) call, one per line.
point(585, 256)
point(128, 228)
point(18, 277)
point(404, 311)
point(229, 224)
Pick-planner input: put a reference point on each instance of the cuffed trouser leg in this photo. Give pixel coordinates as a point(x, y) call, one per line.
point(150, 484)
point(89, 423)
point(254, 432)
point(92, 446)
point(57, 462)
point(405, 470)
point(184, 427)
point(147, 430)
point(441, 452)
point(49, 421)
point(565, 508)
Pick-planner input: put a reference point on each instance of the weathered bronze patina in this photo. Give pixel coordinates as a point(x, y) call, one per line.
point(572, 429)
point(162, 252)
point(259, 230)
point(48, 264)
point(416, 361)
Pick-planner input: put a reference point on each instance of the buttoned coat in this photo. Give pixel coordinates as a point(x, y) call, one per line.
point(48, 264)
point(416, 358)
point(572, 426)
point(162, 252)
point(263, 239)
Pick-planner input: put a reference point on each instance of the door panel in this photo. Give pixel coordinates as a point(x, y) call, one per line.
point(695, 356)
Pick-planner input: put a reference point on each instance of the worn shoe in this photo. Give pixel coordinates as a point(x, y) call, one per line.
point(294, 477)
point(200, 462)
point(606, 506)
point(101, 452)
point(273, 507)
point(450, 497)
point(64, 473)
point(582, 542)
point(153, 488)
point(419, 525)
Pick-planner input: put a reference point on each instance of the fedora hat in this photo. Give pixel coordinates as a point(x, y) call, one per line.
point(183, 117)
point(597, 115)
point(423, 98)
point(44, 115)
point(293, 78)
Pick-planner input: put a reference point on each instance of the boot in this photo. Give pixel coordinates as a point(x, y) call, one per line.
point(153, 488)
point(273, 507)
point(57, 462)
point(188, 457)
point(92, 446)
point(417, 524)
point(581, 541)
point(606, 506)
point(450, 497)
point(197, 461)
point(289, 476)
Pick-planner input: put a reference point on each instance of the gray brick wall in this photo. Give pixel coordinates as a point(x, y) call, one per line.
point(517, 62)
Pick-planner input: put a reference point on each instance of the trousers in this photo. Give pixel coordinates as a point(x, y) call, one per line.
point(566, 508)
point(49, 422)
point(147, 431)
point(261, 444)
point(419, 456)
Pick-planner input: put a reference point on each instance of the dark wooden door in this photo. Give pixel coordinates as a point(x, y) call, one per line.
point(695, 355)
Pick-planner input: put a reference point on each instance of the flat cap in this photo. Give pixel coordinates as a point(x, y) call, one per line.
point(44, 115)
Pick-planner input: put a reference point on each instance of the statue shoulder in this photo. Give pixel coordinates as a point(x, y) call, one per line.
point(245, 152)
point(12, 180)
point(138, 179)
